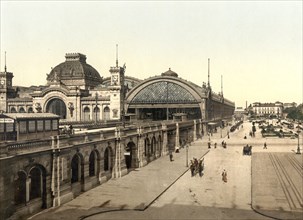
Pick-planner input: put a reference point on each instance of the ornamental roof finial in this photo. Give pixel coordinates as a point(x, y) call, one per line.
point(116, 55)
point(5, 61)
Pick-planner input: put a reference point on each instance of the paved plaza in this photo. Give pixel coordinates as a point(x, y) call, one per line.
point(266, 185)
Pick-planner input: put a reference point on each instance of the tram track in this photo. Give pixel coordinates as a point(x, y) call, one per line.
point(291, 192)
point(291, 182)
point(296, 164)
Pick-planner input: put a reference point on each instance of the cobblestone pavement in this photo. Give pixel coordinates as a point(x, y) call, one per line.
point(166, 190)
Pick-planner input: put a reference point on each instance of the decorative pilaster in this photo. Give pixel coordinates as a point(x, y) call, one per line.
point(56, 171)
point(165, 140)
point(140, 146)
point(117, 166)
point(200, 128)
point(177, 144)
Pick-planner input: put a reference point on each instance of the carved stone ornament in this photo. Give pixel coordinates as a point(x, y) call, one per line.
point(38, 107)
point(71, 108)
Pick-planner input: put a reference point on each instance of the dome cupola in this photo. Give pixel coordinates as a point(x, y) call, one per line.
point(75, 72)
point(169, 73)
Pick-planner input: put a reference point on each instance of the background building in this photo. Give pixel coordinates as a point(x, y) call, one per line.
point(267, 109)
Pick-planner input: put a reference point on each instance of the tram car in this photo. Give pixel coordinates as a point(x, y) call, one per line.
point(247, 150)
point(28, 126)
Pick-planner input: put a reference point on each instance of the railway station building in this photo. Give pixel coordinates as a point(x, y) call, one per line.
point(41, 168)
point(77, 92)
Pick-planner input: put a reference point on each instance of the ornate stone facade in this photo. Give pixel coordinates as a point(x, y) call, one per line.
point(76, 91)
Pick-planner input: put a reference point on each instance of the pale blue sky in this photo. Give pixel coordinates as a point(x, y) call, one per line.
point(255, 45)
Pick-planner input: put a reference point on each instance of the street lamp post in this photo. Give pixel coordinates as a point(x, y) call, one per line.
point(186, 155)
point(96, 107)
point(298, 149)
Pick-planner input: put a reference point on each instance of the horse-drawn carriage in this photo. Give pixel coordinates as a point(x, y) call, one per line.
point(247, 150)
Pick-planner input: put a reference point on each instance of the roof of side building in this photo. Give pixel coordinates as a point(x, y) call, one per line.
point(30, 115)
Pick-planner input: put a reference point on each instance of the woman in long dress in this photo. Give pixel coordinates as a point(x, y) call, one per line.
point(224, 176)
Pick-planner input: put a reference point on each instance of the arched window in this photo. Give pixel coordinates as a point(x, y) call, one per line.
point(130, 155)
point(106, 112)
point(76, 162)
point(30, 110)
point(21, 110)
point(93, 163)
point(96, 115)
point(20, 188)
point(13, 110)
point(36, 183)
point(160, 145)
point(86, 114)
point(107, 159)
point(153, 146)
point(145, 147)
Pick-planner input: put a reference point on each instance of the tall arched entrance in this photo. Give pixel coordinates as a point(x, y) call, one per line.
point(165, 97)
point(77, 174)
point(130, 155)
point(57, 106)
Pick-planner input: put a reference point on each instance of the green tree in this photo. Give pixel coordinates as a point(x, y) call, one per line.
point(295, 113)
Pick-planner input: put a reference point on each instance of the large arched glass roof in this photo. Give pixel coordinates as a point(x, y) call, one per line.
point(163, 92)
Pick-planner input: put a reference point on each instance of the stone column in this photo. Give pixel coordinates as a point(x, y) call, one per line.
point(27, 184)
point(195, 131)
point(91, 112)
point(165, 141)
point(200, 128)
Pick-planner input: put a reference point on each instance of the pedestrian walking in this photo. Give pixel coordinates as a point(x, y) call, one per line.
point(216, 145)
point(224, 176)
point(196, 165)
point(209, 144)
point(200, 168)
point(265, 145)
point(192, 168)
point(171, 156)
point(224, 145)
point(71, 131)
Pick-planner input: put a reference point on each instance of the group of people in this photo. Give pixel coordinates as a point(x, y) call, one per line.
point(215, 144)
point(224, 144)
point(196, 166)
point(67, 129)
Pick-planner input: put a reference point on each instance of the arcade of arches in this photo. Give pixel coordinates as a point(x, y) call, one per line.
point(30, 186)
point(81, 165)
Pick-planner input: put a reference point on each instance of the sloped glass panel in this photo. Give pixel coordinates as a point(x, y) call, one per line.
point(163, 92)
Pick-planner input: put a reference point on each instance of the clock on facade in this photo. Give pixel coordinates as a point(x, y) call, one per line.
point(115, 78)
point(2, 82)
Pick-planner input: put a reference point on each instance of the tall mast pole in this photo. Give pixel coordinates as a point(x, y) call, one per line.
point(5, 61)
point(221, 85)
point(116, 55)
point(208, 72)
